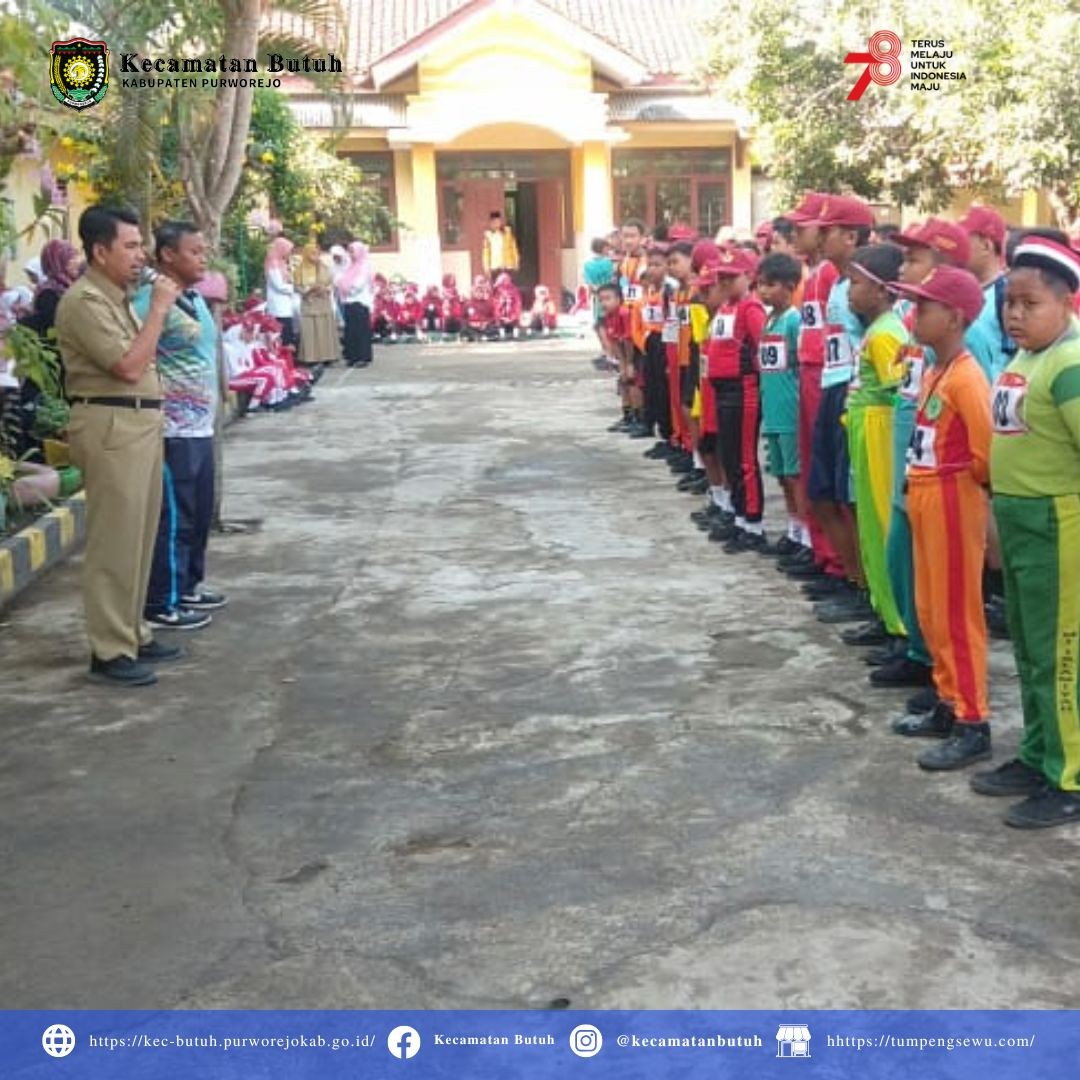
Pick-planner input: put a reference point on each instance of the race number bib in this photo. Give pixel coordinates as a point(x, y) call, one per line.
point(670, 334)
point(914, 361)
point(652, 313)
point(812, 317)
point(723, 326)
point(839, 358)
point(772, 356)
point(1007, 404)
point(922, 450)
point(633, 292)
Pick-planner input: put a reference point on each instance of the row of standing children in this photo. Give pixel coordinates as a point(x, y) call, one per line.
point(905, 390)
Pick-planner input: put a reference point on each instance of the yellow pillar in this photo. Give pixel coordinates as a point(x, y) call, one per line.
point(594, 213)
point(742, 208)
point(1029, 208)
point(417, 208)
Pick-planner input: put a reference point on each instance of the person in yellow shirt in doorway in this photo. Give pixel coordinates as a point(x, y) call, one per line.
point(500, 254)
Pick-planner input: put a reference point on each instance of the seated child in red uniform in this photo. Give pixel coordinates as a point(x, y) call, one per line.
point(480, 312)
point(452, 305)
point(543, 318)
point(507, 306)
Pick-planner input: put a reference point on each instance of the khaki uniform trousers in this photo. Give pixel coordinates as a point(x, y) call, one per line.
point(120, 454)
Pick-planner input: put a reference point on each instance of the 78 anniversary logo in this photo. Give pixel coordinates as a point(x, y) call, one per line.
point(930, 62)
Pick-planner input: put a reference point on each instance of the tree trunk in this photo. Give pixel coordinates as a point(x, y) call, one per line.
point(212, 154)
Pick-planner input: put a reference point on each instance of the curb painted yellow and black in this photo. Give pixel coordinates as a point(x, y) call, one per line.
point(35, 549)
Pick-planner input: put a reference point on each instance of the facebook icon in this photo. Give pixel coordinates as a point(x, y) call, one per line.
point(403, 1042)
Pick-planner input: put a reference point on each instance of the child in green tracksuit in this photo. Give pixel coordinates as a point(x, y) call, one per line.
point(871, 404)
point(1035, 478)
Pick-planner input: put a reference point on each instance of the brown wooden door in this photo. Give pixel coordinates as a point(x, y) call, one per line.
point(549, 233)
point(479, 198)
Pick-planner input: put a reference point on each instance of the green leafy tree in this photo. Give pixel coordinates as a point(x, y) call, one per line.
point(1012, 124)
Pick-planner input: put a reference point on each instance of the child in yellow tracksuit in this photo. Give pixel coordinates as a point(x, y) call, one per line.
point(947, 475)
point(871, 404)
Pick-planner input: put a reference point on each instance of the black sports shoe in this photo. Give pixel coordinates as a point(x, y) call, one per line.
point(935, 725)
point(802, 557)
point(855, 607)
point(894, 649)
point(746, 541)
point(783, 548)
point(683, 465)
point(871, 633)
point(692, 477)
point(1013, 778)
point(660, 450)
point(640, 431)
point(1045, 809)
point(724, 530)
point(204, 600)
point(620, 425)
point(923, 702)
point(179, 619)
point(156, 653)
point(967, 744)
point(710, 513)
point(824, 587)
point(122, 672)
point(902, 672)
point(808, 569)
point(996, 621)
point(696, 487)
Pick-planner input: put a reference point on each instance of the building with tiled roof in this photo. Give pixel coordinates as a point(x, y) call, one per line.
point(568, 115)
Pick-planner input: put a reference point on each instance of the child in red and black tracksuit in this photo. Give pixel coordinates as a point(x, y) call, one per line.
point(452, 305)
point(507, 306)
point(432, 320)
point(731, 358)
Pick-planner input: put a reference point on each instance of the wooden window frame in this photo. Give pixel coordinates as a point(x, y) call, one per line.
point(650, 180)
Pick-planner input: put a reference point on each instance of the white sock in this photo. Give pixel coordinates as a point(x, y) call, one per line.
point(698, 463)
point(755, 528)
point(804, 534)
point(794, 530)
point(717, 496)
point(740, 522)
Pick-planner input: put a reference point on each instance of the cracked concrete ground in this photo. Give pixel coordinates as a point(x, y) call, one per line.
point(488, 724)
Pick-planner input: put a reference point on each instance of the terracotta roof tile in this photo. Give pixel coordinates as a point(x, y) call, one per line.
point(666, 38)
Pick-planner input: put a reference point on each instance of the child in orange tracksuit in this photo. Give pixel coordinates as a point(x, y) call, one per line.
point(948, 470)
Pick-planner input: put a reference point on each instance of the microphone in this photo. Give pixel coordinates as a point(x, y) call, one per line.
point(148, 275)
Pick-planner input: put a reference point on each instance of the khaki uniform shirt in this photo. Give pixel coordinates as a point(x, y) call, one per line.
point(95, 326)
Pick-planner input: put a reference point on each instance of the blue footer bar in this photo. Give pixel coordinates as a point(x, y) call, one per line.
point(525, 1045)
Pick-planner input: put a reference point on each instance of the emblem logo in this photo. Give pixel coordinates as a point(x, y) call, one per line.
point(80, 72)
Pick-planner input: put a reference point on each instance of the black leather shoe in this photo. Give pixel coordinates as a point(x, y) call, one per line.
point(966, 744)
point(869, 634)
point(121, 672)
point(902, 672)
point(935, 725)
point(1011, 779)
point(1045, 809)
point(156, 653)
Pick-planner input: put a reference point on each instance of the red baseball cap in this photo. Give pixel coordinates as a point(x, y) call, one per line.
point(807, 210)
point(939, 235)
point(952, 286)
point(985, 221)
point(845, 210)
point(728, 263)
point(678, 233)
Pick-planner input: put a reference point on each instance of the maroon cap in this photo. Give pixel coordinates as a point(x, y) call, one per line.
point(939, 235)
point(679, 233)
point(952, 286)
point(807, 210)
point(705, 251)
point(737, 261)
point(985, 221)
point(845, 210)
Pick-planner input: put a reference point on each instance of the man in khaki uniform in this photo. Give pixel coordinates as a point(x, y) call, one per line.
point(116, 439)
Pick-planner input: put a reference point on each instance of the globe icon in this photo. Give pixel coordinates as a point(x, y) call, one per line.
point(58, 1040)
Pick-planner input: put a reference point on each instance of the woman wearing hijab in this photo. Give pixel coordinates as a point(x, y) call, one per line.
point(319, 343)
point(355, 290)
point(280, 291)
point(60, 263)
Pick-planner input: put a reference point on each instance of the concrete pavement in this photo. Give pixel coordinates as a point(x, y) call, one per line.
point(489, 724)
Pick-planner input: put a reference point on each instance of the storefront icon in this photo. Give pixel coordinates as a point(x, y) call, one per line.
point(793, 1042)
